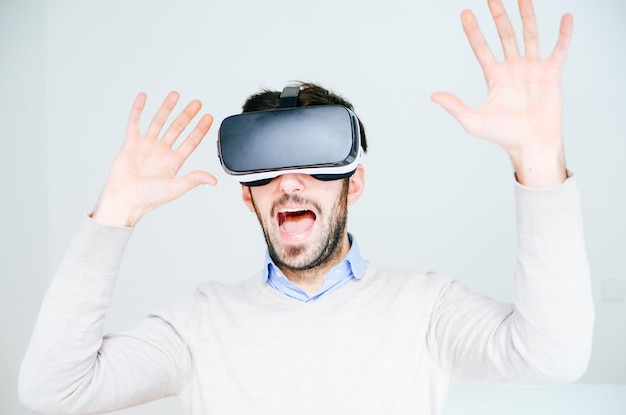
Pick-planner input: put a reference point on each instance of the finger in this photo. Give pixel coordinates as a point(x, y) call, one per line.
point(476, 39)
point(195, 137)
point(505, 28)
point(162, 113)
point(529, 25)
point(181, 122)
point(457, 108)
point(562, 45)
point(134, 117)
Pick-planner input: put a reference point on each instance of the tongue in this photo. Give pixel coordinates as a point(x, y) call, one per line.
point(297, 223)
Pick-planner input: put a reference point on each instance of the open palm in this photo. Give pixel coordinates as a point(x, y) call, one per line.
point(523, 109)
point(144, 172)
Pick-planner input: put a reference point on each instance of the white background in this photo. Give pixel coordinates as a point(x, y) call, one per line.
point(435, 198)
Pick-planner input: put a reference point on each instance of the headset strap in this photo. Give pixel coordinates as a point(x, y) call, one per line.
point(289, 97)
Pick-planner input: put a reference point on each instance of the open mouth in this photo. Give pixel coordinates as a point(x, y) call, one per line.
point(295, 222)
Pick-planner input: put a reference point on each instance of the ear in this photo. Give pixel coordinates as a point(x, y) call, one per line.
point(357, 185)
point(246, 196)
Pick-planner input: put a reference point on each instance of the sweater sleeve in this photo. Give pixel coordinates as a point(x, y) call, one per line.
point(545, 336)
point(69, 366)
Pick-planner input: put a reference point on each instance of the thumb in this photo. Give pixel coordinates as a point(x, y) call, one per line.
point(455, 107)
point(201, 177)
point(192, 179)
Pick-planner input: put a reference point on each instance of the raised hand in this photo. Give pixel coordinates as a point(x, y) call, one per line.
point(144, 172)
point(523, 109)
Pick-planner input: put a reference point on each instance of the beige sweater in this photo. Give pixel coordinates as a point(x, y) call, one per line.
point(386, 344)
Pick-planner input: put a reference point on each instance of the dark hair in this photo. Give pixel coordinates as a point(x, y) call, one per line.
point(310, 94)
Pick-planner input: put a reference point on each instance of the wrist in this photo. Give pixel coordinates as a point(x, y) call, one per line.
point(540, 166)
point(114, 211)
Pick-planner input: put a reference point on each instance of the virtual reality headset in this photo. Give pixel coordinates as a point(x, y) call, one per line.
point(323, 141)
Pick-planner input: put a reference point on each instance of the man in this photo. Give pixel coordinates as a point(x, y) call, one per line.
point(320, 330)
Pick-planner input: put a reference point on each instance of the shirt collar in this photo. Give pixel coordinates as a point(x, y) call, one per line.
point(353, 262)
point(352, 266)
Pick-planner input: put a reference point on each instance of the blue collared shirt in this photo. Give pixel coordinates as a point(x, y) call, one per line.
point(353, 266)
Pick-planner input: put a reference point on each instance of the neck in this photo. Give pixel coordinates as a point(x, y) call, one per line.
point(311, 280)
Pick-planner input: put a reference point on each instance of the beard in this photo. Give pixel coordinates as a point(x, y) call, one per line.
point(327, 246)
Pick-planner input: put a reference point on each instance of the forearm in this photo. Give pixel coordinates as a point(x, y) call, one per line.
point(69, 366)
point(68, 332)
point(553, 303)
point(545, 336)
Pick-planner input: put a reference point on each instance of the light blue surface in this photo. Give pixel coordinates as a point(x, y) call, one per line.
point(573, 399)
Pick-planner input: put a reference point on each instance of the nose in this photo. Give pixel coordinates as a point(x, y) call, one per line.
point(291, 183)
